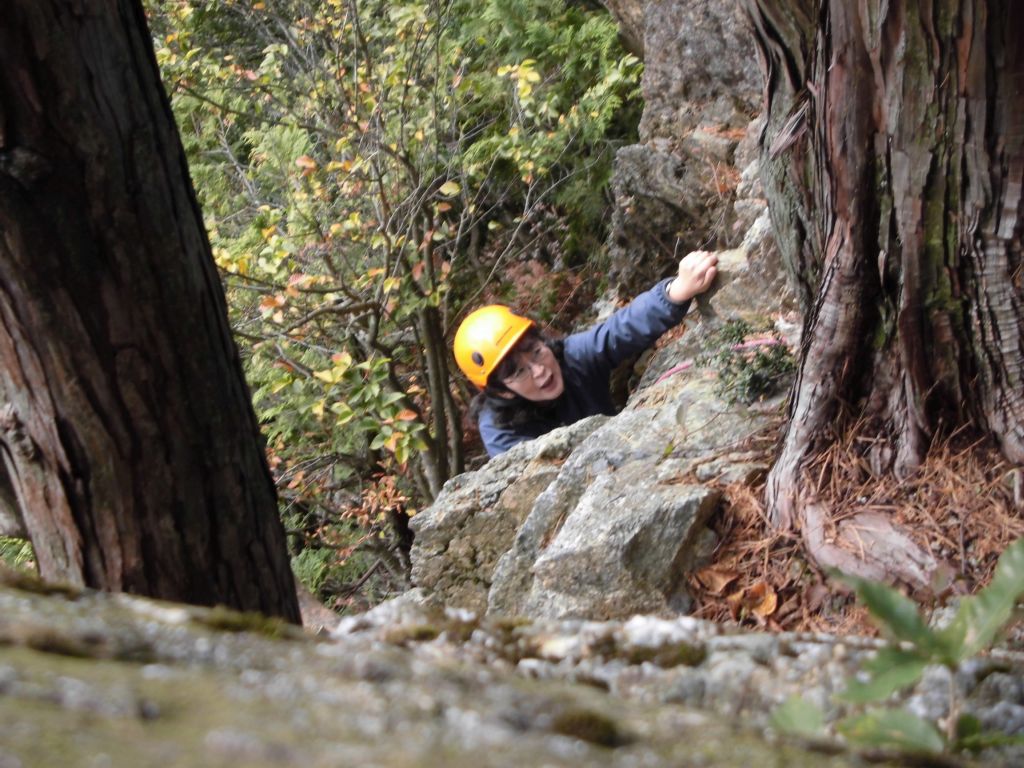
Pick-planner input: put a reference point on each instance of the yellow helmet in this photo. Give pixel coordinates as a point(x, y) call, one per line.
point(484, 338)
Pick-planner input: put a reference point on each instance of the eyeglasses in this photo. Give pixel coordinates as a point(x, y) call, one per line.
point(526, 358)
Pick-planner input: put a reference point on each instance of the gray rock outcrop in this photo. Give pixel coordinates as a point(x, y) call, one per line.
point(690, 181)
point(89, 679)
point(473, 523)
point(600, 520)
point(742, 677)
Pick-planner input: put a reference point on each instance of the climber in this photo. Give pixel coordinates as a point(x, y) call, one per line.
point(531, 384)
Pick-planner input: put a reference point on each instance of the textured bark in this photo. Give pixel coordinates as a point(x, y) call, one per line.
point(125, 423)
point(894, 160)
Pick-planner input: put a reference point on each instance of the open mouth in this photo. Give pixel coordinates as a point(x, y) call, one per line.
point(549, 384)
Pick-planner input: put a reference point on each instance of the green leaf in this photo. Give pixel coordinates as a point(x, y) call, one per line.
point(970, 736)
point(980, 618)
point(450, 188)
point(967, 727)
point(799, 717)
point(343, 412)
point(898, 616)
point(894, 729)
point(891, 670)
point(15, 552)
point(391, 398)
point(988, 740)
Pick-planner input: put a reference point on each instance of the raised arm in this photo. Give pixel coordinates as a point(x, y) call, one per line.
point(636, 326)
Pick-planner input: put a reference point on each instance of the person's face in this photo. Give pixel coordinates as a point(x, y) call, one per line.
point(537, 375)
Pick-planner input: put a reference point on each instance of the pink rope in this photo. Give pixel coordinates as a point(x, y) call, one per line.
point(752, 344)
point(674, 369)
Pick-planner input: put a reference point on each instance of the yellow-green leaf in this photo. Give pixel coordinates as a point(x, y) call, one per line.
point(450, 188)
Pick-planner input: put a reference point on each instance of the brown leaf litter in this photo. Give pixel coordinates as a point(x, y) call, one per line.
point(963, 504)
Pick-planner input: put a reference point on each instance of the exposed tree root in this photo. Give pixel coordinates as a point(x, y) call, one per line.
point(870, 546)
point(937, 532)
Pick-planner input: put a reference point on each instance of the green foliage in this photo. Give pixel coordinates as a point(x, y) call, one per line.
point(892, 729)
point(366, 169)
point(891, 670)
point(799, 717)
point(976, 625)
point(971, 738)
point(980, 619)
point(899, 618)
point(311, 567)
point(331, 558)
point(748, 369)
point(17, 553)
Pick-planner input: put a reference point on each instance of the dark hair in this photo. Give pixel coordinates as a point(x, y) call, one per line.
point(509, 411)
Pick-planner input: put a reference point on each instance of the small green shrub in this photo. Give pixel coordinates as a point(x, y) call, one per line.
point(915, 646)
point(747, 370)
point(17, 553)
point(311, 567)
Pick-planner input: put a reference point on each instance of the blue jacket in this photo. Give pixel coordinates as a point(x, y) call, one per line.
point(588, 361)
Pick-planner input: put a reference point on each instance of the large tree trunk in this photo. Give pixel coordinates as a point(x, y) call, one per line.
point(893, 157)
point(125, 423)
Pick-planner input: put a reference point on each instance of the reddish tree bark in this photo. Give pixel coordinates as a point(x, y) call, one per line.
point(126, 426)
point(893, 157)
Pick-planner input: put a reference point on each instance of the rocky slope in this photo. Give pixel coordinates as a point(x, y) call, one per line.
point(89, 679)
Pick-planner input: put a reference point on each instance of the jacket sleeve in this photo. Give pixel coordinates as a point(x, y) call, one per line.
point(497, 439)
point(628, 331)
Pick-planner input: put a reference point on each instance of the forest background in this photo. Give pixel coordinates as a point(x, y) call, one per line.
point(367, 170)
